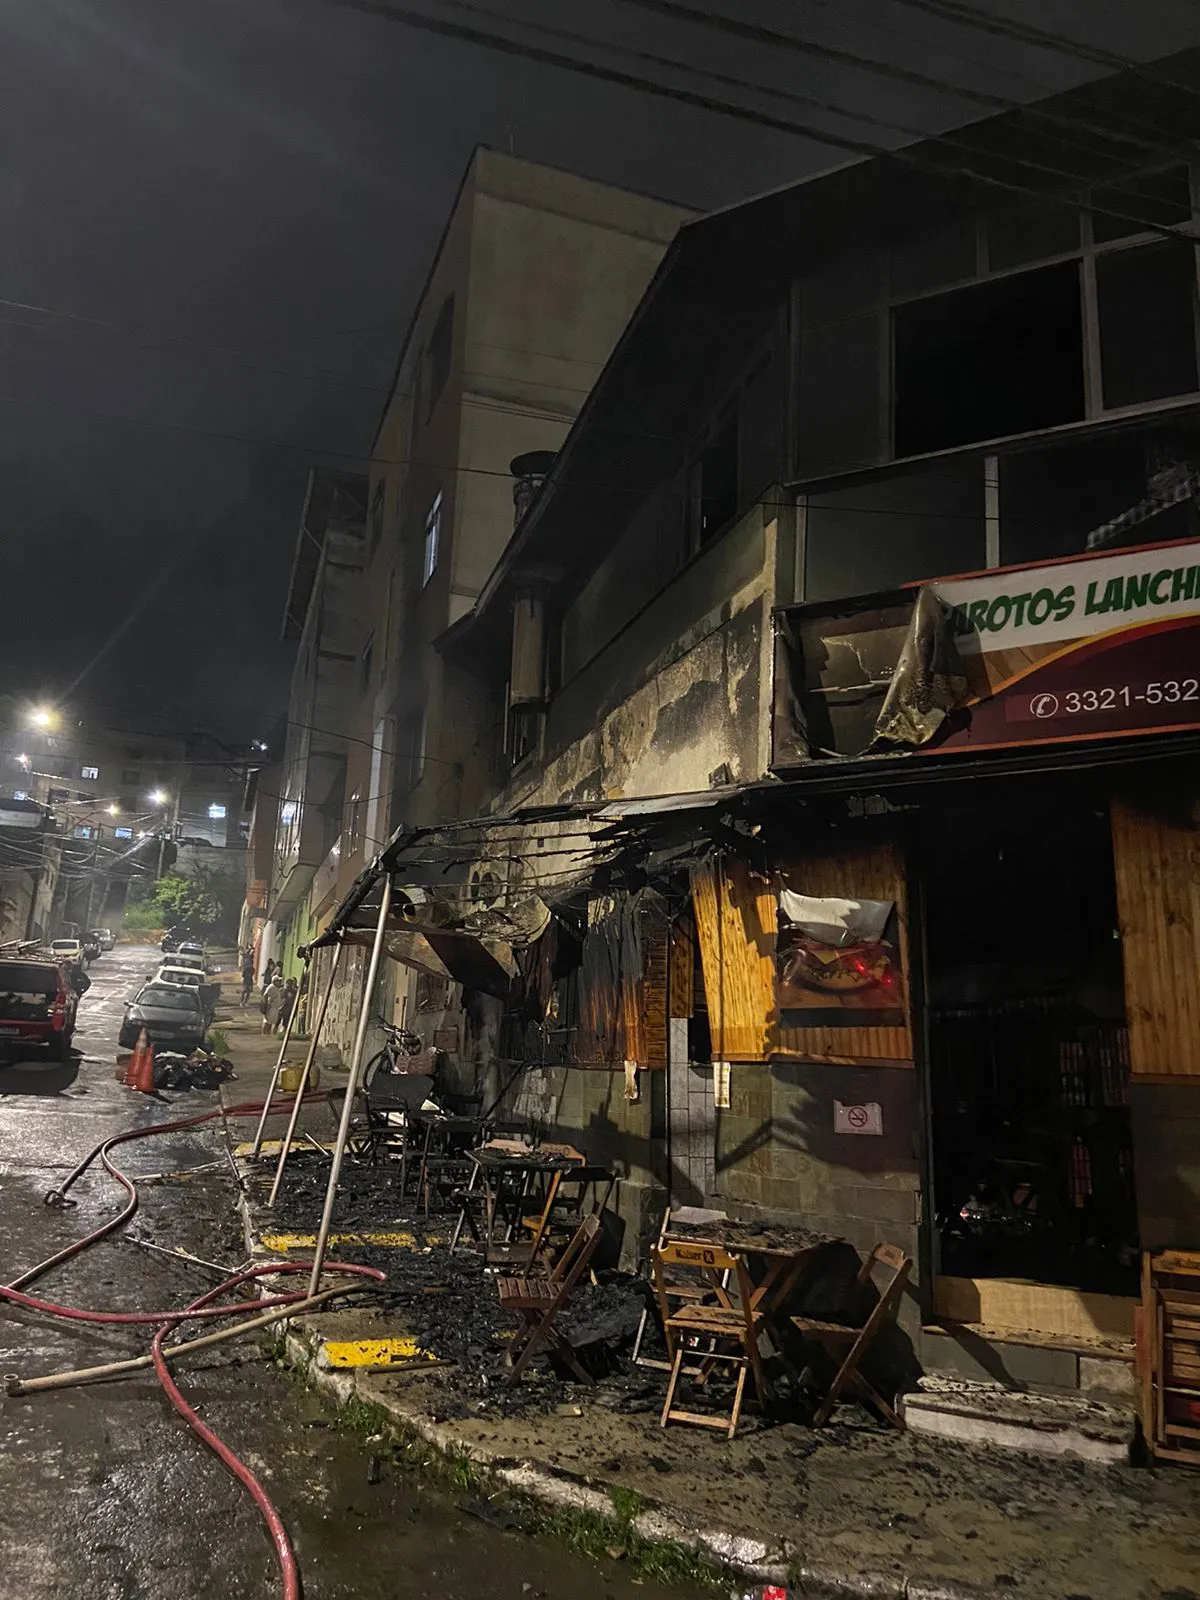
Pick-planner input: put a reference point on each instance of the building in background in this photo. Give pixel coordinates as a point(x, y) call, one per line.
point(536, 275)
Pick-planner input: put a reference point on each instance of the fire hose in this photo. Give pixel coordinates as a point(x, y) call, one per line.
point(276, 1306)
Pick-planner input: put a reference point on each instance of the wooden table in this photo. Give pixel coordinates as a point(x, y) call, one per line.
point(504, 1177)
point(440, 1139)
point(775, 1257)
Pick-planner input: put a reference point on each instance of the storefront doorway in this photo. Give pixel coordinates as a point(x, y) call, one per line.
point(1028, 1063)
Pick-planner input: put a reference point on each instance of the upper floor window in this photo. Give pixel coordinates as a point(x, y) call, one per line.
point(714, 483)
point(130, 775)
point(441, 346)
point(433, 534)
point(89, 772)
point(216, 812)
point(354, 822)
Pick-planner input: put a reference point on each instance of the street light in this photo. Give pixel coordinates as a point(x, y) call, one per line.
point(113, 811)
point(44, 717)
point(157, 797)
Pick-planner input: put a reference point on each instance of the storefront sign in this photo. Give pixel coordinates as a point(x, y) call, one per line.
point(1094, 647)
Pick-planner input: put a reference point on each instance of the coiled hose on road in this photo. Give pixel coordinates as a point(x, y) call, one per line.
point(205, 1307)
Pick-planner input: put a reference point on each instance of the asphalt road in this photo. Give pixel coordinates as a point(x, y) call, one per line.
point(103, 1492)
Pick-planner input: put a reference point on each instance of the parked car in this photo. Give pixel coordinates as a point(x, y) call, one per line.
point(170, 1014)
point(67, 949)
point(189, 978)
point(174, 937)
point(191, 947)
point(178, 958)
point(37, 1006)
point(104, 937)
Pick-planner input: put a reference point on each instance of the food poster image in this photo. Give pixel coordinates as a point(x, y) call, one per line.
point(837, 963)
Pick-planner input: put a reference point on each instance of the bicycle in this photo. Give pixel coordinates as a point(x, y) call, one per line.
point(382, 1100)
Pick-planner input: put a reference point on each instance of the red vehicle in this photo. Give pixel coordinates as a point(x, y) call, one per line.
point(37, 1006)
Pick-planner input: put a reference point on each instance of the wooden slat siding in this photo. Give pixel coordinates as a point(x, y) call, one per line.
point(735, 927)
point(649, 999)
point(682, 968)
point(873, 872)
point(1157, 866)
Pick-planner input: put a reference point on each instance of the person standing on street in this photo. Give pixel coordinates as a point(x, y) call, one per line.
point(272, 1003)
point(247, 974)
point(291, 993)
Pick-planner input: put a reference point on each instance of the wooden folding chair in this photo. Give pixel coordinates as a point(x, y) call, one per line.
point(678, 1291)
point(722, 1325)
point(539, 1301)
point(852, 1343)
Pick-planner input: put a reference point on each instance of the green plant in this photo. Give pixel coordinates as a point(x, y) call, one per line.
point(217, 1042)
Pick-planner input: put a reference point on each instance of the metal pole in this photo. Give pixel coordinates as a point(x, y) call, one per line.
point(360, 1041)
point(287, 1039)
point(303, 1084)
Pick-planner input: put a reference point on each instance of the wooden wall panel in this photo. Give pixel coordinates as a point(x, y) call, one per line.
point(873, 872)
point(682, 974)
point(735, 927)
point(1157, 863)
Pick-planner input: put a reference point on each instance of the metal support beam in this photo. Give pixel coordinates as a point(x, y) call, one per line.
point(360, 1041)
point(266, 1110)
point(304, 1075)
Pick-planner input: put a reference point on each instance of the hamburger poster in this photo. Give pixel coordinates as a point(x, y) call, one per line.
point(837, 963)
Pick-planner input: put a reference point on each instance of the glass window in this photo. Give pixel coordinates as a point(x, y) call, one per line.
point(433, 534)
point(216, 812)
point(89, 772)
point(999, 358)
point(123, 833)
point(1146, 300)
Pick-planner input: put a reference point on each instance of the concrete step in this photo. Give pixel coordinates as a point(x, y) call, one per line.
point(1042, 1424)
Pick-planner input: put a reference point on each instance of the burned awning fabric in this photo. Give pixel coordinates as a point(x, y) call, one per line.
point(486, 965)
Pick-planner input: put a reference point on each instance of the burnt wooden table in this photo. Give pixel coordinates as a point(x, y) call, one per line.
point(507, 1183)
point(776, 1259)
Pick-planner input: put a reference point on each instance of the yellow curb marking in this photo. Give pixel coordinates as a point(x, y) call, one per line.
point(279, 1243)
point(372, 1352)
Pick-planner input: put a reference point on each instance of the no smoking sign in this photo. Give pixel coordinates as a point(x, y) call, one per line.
point(865, 1118)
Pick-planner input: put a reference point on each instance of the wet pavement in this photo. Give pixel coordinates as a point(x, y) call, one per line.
point(102, 1489)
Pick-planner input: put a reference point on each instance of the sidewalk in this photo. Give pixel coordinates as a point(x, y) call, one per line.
point(849, 1510)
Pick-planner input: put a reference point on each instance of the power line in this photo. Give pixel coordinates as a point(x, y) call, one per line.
point(728, 80)
point(758, 34)
point(968, 16)
point(704, 102)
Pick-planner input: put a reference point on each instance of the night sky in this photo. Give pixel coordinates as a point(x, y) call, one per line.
point(224, 210)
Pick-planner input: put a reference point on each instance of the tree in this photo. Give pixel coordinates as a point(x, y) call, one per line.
point(207, 901)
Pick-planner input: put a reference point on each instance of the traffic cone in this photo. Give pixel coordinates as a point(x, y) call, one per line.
point(133, 1065)
point(146, 1080)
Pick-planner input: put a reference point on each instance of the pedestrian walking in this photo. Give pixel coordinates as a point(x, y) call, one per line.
point(291, 993)
point(272, 1003)
point(247, 974)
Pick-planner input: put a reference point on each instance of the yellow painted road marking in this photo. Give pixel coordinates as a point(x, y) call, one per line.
point(373, 1352)
point(279, 1243)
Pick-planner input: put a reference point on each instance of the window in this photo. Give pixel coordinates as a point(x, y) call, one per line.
point(441, 345)
point(433, 533)
point(20, 794)
point(130, 775)
point(715, 483)
point(58, 797)
point(216, 812)
point(83, 831)
point(375, 519)
point(89, 772)
point(410, 751)
point(122, 833)
point(1145, 299)
point(365, 663)
point(995, 359)
point(354, 822)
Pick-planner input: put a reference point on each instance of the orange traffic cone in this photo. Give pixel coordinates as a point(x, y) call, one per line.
point(133, 1065)
point(145, 1080)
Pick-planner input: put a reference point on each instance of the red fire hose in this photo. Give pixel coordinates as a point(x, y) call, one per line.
point(167, 1321)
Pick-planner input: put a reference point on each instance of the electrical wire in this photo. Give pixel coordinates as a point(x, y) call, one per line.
point(906, 157)
point(738, 27)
